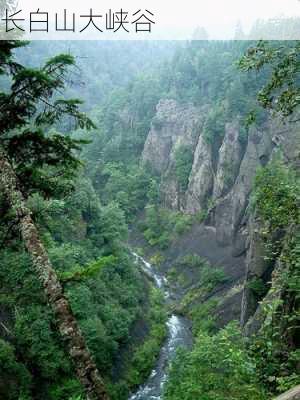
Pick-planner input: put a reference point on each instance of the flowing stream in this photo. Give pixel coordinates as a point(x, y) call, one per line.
point(179, 334)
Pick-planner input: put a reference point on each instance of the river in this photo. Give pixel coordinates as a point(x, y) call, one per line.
point(179, 334)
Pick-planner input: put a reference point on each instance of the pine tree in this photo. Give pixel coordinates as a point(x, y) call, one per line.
point(281, 93)
point(27, 153)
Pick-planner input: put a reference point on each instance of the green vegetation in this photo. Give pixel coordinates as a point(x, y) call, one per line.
point(192, 261)
point(29, 326)
point(258, 287)
point(83, 233)
point(214, 127)
point(203, 318)
point(199, 279)
point(145, 356)
point(274, 349)
point(139, 361)
point(223, 364)
point(157, 259)
point(13, 374)
point(276, 195)
point(201, 216)
point(218, 367)
point(162, 226)
point(281, 92)
point(126, 186)
point(209, 279)
point(199, 272)
point(183, 166)
point(275, 346)
point(83, 193)
point(105, 290)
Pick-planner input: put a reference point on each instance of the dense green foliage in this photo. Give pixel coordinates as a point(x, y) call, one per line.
point(218, 368)
point(224, 365)
point(125, 185)
point(161, 225)
point(205, 73)
point(281, 93)
point(199, 279)
point(82, 210)
point(139, 361)
point(145, 355)
point(193, 267)
point(183, 165)
point(276, 195)
point(105, 290)
point(83, 236)
point(14, 376)
point(275, 347)
point(29, 328)
point(201, 73)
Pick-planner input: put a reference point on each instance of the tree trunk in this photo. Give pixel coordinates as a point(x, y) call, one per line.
point(85, 367)
point(293, 394)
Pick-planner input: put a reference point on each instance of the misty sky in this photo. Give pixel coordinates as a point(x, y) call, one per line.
point(218, 17)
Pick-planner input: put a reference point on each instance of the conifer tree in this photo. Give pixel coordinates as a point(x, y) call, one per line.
point(29, 154)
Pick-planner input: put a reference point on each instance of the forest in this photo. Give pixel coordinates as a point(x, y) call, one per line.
point(184, 154)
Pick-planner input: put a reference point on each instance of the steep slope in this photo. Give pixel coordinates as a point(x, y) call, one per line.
point(218, 188)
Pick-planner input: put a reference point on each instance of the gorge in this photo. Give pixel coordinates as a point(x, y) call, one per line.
point(172, 225)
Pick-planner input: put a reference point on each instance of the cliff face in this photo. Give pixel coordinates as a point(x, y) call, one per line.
point(220, 181)
point(173, 126)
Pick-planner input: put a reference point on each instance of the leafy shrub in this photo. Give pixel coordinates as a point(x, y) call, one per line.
point(145, 356)
point(201, 216)
point(214, 126)
point(192, 260)
point(276, 195)
point(161, 226)
point(182, 223)
point(217, 368)
point(203, 318)
point(258, 287)
point(157, 259)
point(172, 273)
point(275, 346)
point(211, 277)
point(183, 165)
point(15, 378)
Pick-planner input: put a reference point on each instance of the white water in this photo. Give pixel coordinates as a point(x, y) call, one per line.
point(179, 334)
